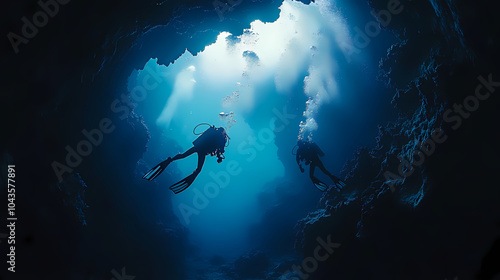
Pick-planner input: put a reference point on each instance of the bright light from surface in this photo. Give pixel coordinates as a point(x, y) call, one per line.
point(300, 47)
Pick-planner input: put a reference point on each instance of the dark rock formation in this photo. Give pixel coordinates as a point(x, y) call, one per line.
point(435, 219)
point(64, 80)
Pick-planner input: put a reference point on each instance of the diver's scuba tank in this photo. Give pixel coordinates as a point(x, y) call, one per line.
point(213, 139)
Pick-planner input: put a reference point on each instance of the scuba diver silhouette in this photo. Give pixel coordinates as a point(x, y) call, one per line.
point(211, 142)
point(309, 152)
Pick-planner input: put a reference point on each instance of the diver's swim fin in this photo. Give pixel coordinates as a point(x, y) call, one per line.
point(340, 185)
point(324, 187)
point(157, 170)
point(183, 184)
point(320, 186)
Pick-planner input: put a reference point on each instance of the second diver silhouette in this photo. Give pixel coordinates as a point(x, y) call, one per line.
point(309, 152)
point(211, 142)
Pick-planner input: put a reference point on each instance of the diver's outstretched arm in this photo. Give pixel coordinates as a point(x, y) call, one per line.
point(186, 182)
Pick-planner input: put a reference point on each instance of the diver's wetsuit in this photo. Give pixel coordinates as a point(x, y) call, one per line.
point(211, 142)
point(309, 152)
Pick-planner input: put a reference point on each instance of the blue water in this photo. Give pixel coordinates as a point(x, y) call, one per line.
point(263, 78)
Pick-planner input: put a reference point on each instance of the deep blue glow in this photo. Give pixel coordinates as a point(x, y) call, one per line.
point(271, 69)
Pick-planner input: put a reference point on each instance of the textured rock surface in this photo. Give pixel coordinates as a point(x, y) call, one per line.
point(411, 229)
